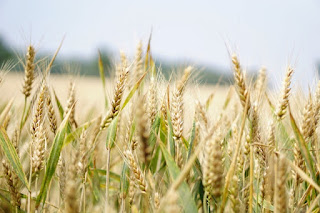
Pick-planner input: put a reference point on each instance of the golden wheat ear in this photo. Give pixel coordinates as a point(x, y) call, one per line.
point(29, 71)
point(284, 99)
point(213, 167)
point(138, 176)
point(240, 82)
point(115, 104)
point(280, 198)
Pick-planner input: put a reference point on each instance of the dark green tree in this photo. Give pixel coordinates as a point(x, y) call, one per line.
point(5, 52)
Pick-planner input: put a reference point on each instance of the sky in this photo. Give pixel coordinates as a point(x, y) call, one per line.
point(272, 33)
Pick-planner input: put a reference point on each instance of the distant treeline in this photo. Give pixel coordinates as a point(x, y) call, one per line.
point(80, 66)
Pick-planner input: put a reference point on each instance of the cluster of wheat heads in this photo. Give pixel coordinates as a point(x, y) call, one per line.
point(142, 154)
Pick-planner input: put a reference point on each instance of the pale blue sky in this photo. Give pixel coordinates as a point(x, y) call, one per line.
point(271, 33)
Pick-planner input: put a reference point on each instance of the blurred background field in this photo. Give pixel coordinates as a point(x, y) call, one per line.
point(202, 34)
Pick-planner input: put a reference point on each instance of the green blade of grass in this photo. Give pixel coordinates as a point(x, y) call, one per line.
point(102, 77)
point(76, 133)
point(61, 111)
point(26, 116)
point(53, 159)
point(303, 146)
point(133, 90)
point(101, 70)
point(95, 184)
point(154, 161)
point(112, 133)
point(124, 180)
point(187, 201)
point(154, 131)
point(170, 136)
point(12, 156)
point(102, 173)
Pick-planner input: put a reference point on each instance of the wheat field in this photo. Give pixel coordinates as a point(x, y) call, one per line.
point(140, 143)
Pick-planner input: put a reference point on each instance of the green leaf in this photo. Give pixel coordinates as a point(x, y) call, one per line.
point(154, 161)
point(96, 186)
point(187, 201)
point(76, 133)
point(101, 70)
point(198, 189)
point(111, 134)
point(102, 76)
point(154, 131)
point(61, 111)
point(133, 90)
point(124, 180)
point(193, 132)
point(12, 157)
point(26, 116)
point(102, 173)
point(53, 159)
point(170, 136)
point(303, 146)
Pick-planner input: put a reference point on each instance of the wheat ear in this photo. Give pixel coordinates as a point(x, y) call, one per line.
point(308, 122)
point(240, 82)
point(12, 183)
point(213, 168)
point(29, 71)
point(143, 132)
point(115, 104)
point(70, 104)
point(138, 176)
point(280, 187)
point(38, 113)
point(51, 112)
point(284, 100)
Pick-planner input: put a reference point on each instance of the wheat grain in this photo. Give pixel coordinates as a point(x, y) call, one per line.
point(240, 82)
point(284, 99)
point(138, 176)
point(29, 71)
point(213, 168)
point(115, 104)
